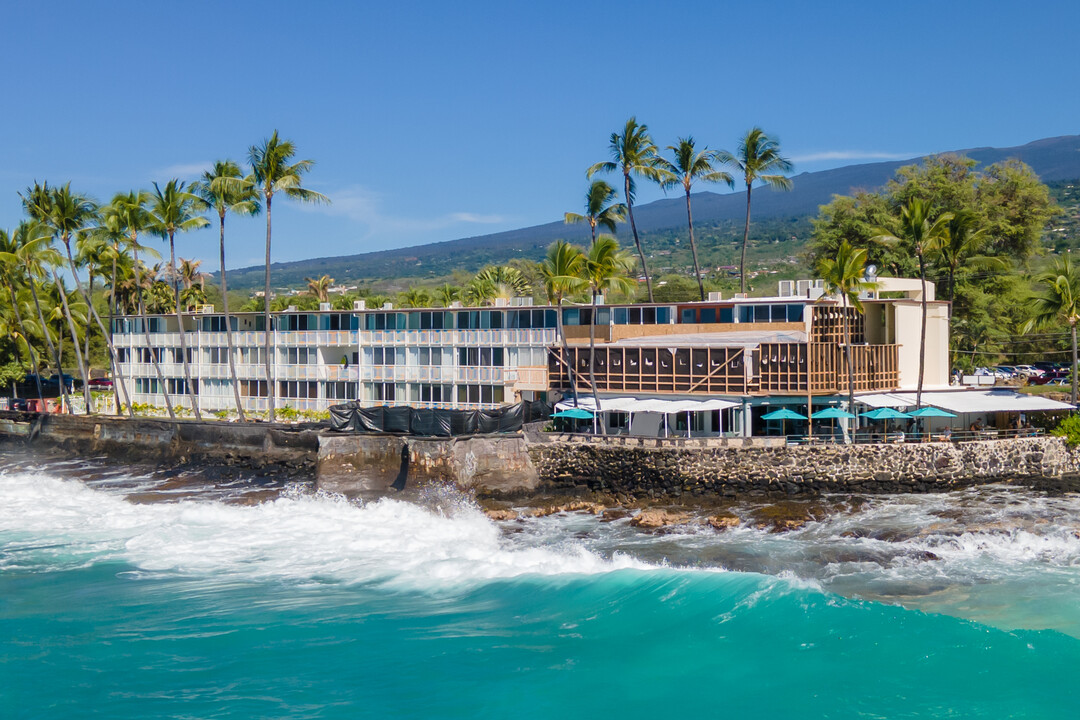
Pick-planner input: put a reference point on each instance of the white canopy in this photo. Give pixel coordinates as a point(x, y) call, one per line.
point(635, 405)
point(969, 401)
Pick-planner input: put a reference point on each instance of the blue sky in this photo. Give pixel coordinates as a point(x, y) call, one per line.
point(431, 121)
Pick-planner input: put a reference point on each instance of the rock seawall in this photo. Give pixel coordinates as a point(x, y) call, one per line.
point(700, 471)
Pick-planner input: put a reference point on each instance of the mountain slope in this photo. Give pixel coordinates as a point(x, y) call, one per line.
point(1054, 159)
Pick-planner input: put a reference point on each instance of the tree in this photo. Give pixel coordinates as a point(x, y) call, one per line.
point(319, 288)
point(1059, 301)
point(224, 189)
point(67, 213)
point(691, 164)
point(447, 294)
point(960, 248)
point(415, 297)
point(274, 172)
point(601, 210)
point(605, 268)
point(498, 282)
point(923, 233)
point(757, 158)
point(11, 276)
point(844, 275)
point(634, 154)
point(173, 209)
point(562, 272)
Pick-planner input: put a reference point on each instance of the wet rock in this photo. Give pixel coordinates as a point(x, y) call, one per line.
point(656, 518)
point(612, 514)
point(723, 522)
point(500, 515)
point(575, 506)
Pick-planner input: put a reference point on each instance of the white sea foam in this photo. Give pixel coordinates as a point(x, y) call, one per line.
point(51, 523)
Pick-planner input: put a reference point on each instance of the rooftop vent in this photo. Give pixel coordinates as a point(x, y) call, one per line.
point(359, 305)
point(291, 308)
point(455, 304)
point(741, 296)
point(388, 306)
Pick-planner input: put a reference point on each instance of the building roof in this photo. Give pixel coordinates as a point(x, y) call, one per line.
point(968, 401)
point(632, 404)
point(744, 339)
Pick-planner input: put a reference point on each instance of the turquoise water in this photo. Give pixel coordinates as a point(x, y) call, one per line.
point(305, 606)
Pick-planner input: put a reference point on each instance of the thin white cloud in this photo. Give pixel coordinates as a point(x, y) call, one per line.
point(850, 155)
point(365, 207)
point(183, 171)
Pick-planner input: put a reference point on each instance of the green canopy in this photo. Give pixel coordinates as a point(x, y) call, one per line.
point(885, 413)
point(832, 413)
point(931, 412)
point(783, 414)
point(576, 413)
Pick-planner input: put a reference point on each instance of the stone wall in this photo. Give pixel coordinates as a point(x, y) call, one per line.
point(726, 472)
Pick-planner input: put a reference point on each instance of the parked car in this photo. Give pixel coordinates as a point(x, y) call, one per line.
point(1007, 371)
point(69, 381)
point(992, 372)
point(100, 383)
point(1028, 371)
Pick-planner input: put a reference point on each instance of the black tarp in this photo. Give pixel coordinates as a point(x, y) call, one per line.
point(351, 417)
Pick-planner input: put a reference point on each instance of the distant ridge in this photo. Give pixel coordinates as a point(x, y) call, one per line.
point(1053, 159)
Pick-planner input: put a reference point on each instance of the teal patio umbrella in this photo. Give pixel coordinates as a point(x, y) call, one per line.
point(784, 415)
point(885, 414)
point(575, 413)
point(930, 412)
point(831, 413)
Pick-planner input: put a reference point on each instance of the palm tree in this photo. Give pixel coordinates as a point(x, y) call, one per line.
point(604, 268)
point(447, 294)
point(960, 247)
point(1059, 300)
point(319, 288)
point(67, 213)
point(691, 164)
point(601, 210)
point(757, 158)
point(924, 233)
point(225, 189)
point(172, 210)
point(53, 262)
point(497, 282)
point(31, 242)
point(415, 298)
point(561, 271)
point(634, 153)
point(189, 273)
point(129, 214)
point(845, 275)
point(273, 172)
point(11, 275)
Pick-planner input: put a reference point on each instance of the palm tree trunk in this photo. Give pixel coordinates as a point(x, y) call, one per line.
point(1072, 331)
point(592, 368)
point(155, 357)
point(90, 294)
point(48, 342)
point(33, 355)
point(266, 322)
point(113, 359)
point(633, 229)
point(847, 356)
point(111, 340)
point(566, 352)
point(922, 332)
point(592, 229)
point(180, 323)
point(693, 246)
point(228, 326)
point(745, 239)
point(74, 342)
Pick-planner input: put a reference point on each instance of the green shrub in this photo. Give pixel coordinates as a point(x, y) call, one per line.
point(288, 414)
point(1069, 428)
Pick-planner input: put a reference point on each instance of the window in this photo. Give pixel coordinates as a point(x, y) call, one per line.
point(708, 315)
point(253, 388)
point(727, 314)
point(687, 316)
point(216, 355)
point(302, 389)
point(217, 324)
point(480, 393)
point(795, 313)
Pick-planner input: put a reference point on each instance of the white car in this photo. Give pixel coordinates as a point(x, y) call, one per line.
point(1028, 371)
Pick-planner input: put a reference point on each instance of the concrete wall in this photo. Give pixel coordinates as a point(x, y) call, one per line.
point(908, 320)
point(724, 472)
point(352, 464)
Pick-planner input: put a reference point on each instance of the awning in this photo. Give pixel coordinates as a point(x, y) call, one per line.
point(969, 401)
point(635, 405)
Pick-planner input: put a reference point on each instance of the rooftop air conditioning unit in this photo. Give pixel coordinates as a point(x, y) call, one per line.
point(204, 309)
point(455, 304)
point(388, 306)
point(359, 305)
point(522, 301)
point(291, 308)
point(787, 288)
point(324, 307)
point(501, 302)
point(741, 296)
point(715, 296)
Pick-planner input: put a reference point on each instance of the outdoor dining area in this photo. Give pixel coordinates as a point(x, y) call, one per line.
point(877, 418)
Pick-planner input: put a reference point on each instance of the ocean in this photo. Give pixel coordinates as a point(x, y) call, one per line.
point(137, 593)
